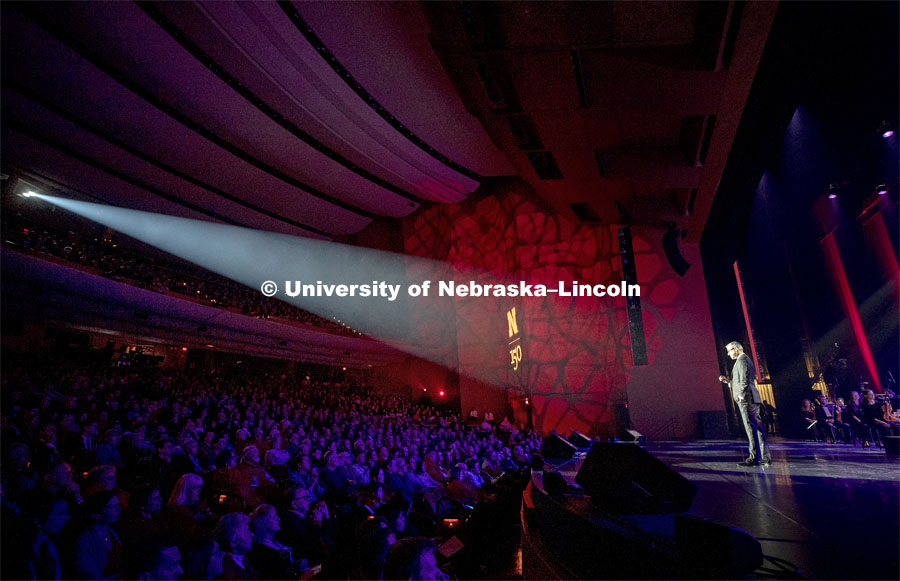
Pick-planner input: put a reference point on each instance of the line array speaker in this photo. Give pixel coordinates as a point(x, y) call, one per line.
point(632, 304)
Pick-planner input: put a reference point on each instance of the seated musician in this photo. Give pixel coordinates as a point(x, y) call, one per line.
point(840, 425)
point(808, 417)
point(825, 418)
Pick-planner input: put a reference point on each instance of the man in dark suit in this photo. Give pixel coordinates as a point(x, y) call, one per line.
point(746, 396)
point(293, 520)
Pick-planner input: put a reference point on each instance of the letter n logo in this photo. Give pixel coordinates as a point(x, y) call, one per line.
point(511, 320)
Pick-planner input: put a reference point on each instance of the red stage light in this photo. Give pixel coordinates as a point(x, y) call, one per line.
point(833, 257)
point(441, 393)
point(184, 348)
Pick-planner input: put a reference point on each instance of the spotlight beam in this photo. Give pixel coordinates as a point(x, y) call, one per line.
point(252, 257)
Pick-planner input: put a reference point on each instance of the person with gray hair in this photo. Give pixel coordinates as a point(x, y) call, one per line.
point(234, 537)
point(746, 396)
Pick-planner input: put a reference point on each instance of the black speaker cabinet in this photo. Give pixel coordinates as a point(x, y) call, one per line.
point(673, 254)
point(892, 445)
point(579, 440)
point(555, 446)
point(554, 484)
point(627, 479)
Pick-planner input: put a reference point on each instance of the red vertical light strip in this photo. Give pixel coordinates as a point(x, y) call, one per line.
point(833, 257)
point(880, 242)
point(740, 285)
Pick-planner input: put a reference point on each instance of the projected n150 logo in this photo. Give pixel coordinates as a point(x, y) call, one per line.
point(515, 339)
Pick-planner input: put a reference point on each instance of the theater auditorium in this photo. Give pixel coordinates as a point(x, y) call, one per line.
point(449, 290)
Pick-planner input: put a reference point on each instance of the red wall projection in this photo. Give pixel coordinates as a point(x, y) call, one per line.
point(576, 351)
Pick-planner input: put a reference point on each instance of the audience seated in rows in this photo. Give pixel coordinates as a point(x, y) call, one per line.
point(147, 467)
point(104, 257)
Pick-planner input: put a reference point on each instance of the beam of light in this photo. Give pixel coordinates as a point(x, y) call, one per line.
point(880, 312)
point(252, 257)
point(833, 258)
point(740, 285)
point(880, 242)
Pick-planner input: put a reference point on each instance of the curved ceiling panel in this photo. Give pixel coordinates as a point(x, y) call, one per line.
point(280, 66)
point(386, 47)
point(97, 151)
point(47, 68)
point(45, 159)
point(129, 41)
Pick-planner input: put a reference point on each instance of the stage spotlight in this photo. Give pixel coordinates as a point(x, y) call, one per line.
point(833, 189)
point(28, 194)
point(881, 190)
point(886, 129)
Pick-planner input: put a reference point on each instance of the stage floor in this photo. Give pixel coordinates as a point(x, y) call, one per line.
point(830, 509)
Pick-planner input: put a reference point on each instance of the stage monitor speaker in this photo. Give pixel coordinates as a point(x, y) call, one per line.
point(892, 445)
point(629, 480)
point(555, 446)
point(579, 440)
point(673, 254)
point(634, 437)
point(713, 551)
point(713, 425)
point(554, 484)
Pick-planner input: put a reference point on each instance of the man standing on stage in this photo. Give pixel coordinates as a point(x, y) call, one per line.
point(746, 396)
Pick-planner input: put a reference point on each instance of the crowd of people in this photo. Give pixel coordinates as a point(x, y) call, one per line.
point(103, 257)
point(865, 419)
point(112, 472)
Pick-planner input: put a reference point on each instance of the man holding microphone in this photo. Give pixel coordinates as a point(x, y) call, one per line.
point(746, 396)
